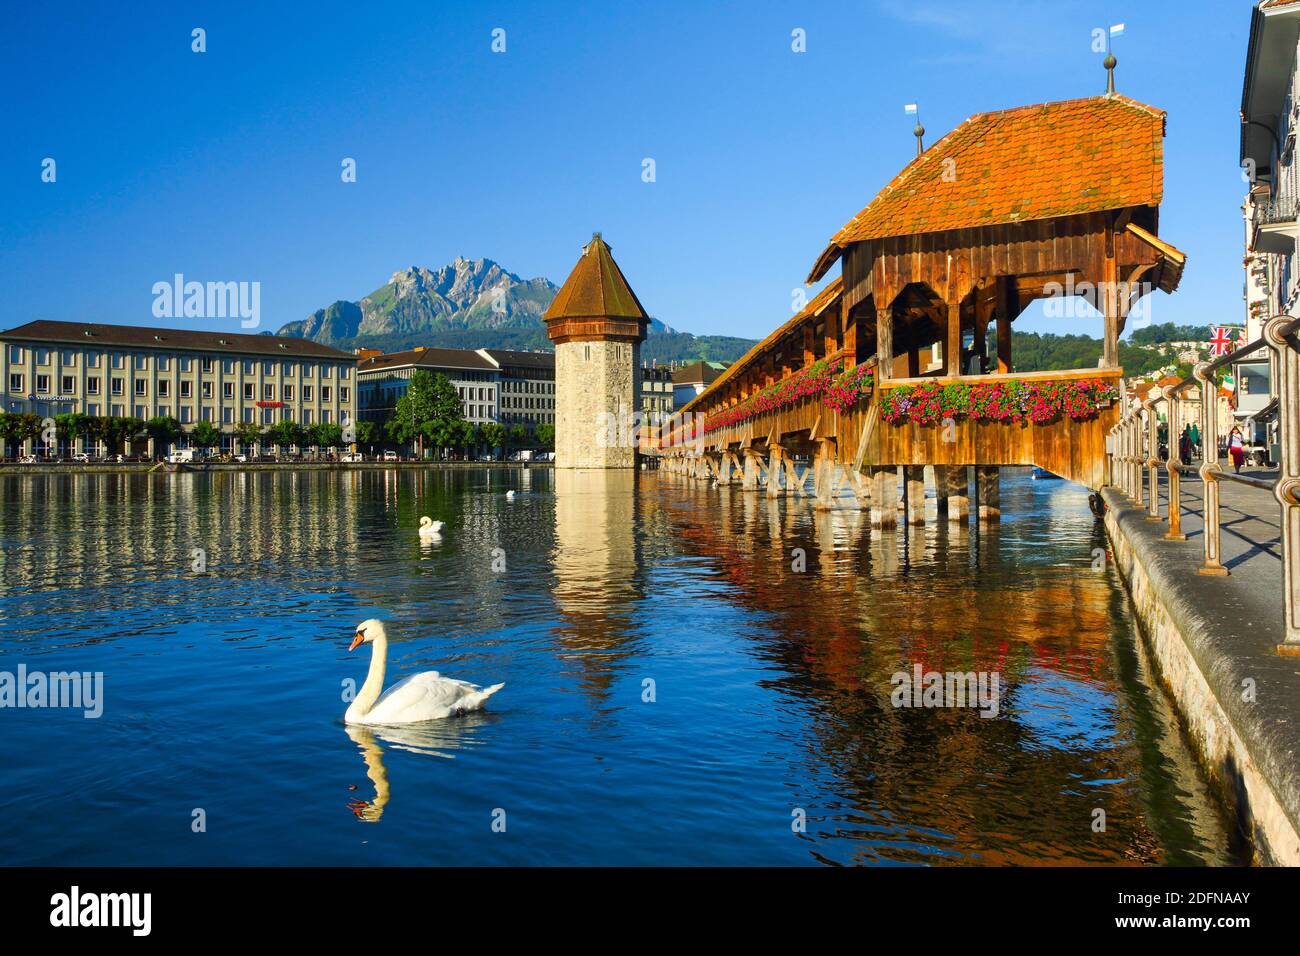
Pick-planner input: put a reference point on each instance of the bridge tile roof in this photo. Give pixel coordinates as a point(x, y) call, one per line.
point(1032, 162)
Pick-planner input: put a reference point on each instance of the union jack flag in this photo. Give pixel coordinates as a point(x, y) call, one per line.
point(1220, 341)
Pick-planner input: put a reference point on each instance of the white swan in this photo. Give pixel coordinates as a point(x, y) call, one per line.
point(430, 528)
point(510, 496)
point(424, 696)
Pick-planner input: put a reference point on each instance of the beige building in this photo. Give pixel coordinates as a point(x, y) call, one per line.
point(597, 324)
point(225, 378)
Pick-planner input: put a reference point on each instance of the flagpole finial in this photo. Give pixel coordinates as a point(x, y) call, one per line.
point(911, 109)
point(1110, 62)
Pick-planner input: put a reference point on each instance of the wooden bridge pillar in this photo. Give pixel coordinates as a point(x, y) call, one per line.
point(989, 478)
point(749, 481)
point(952, 484)
point(775, 460)
point(884, 496)
point(914, 476)
point(825, 474)
point(794, 479)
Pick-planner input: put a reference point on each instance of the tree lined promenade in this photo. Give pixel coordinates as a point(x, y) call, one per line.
point(428, 417)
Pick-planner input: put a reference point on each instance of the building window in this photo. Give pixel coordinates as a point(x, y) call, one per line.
point(306, 416)
point(228, 390)
point(141, 412)
point(117, 410)
point(268, 368)
point(164, 388)
point(117, 385)
point(69, 384)
point(92, 385)
point(164, 411)
point(345, 373)
point(15, 353)
point(141, 361)
point(92, 361)
point(207, 365)
point(306, 393)
point(325, 416)
point(248, 366)
point(326, 371)
point(69, 357)
point(207, 413)
point(186, 363)
point(307, 371)
point(207, 389)
point(164, 363)
point(228, 366)
point(324, 394)
point(141, 386)
point(227, 415)
point(268, 416)
point(288, 393)
point(186, 415)
point(287, 369)
point(42, 356)
point(247, 415)
point(119, 360)
point(187, 389)
point(345, 394)
point(268, 392)
point(15, 382)
point(249, 394)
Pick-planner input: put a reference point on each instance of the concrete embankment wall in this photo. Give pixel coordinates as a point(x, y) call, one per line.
point(264, 466)
point(1247, 746)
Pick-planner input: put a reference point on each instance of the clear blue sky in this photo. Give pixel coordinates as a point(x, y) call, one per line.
point(225, 165)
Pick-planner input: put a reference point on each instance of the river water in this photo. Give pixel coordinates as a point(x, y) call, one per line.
point(693, 676)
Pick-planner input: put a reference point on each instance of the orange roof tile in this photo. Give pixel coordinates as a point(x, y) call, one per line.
point(596, 288)
point(1017, 165)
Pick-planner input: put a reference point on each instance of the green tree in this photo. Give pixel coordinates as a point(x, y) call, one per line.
point(164, 430)
point(205, 435)
point(428, 410)
point(494, 435)
point(368, 433)
point(546, 435)
point(285, 434)
point(119, 431)
point(517, 436)
point(249, 433)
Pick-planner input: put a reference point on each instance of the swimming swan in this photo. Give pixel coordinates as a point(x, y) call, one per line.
point(430, 528)
point(424, 696)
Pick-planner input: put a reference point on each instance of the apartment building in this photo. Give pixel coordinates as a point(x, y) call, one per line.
point(1270, 115)
point(225, 378)
point(383, 379)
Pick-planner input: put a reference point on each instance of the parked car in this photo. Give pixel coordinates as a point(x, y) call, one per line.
point(82, 457)
point(391, 456)
point(354, 457)
point(27, 460)
point(179, 456)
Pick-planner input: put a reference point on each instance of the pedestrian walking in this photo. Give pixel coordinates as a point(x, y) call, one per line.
point(1237, 449)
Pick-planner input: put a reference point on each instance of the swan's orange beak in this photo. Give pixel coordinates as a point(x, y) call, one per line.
point(356, 641)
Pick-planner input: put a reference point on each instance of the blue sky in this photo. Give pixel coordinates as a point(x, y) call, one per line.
point(225, 165)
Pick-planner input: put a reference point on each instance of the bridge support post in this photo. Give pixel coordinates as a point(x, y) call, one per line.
point(724, 469)
point(954, 491)
point(884, 496)
point(914, 476)
point(861, 487)
point(775, 465)
point(825, 474)
point(749, 481)
point(794, 481)
point(990, 493)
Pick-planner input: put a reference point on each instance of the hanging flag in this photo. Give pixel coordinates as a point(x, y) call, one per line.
point(1220, 341)
point(1242, 341)
point(1117, 30)
point(910, 109)
point(1229, 383)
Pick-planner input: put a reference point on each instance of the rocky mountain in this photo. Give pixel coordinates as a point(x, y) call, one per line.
point(472, 303)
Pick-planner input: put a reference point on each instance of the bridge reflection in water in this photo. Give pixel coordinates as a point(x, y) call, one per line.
point(1080, 727)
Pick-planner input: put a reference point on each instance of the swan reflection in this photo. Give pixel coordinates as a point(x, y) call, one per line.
point(434, 738)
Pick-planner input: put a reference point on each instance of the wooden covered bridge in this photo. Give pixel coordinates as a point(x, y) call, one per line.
point(905, 359)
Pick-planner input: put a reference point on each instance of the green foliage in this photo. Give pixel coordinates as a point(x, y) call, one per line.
point(368, 433)
point(1168, 332)
point(284, 434)
point(164, 430)
point(428, 410)
point(205, 435)
point(249, 432)
point(494, 434)
point(546, 435)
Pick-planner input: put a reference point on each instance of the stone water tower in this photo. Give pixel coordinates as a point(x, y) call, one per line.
point(597, 324)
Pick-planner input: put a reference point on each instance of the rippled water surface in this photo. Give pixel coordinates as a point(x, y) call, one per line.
point(223, 691)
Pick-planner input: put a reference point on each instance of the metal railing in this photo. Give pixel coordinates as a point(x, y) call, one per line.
point(1135, 458)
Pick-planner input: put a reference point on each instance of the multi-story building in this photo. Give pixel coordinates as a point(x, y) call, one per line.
point(1270, 115)
point(691, 380)
point(527, 386)
point(225, 378)
point(383, 379)
point(657, 390)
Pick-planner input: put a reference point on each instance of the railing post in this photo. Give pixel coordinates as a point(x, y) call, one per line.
point(1281, 340)
point(1175, 532)
point(1209, 470)
point(1153, 458)
point(1135, 456)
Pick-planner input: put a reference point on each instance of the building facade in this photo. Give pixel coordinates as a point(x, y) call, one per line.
point(691, 380)
point(1270, 115)
point(383, 379)
point(224, 378)
point(527, 386)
